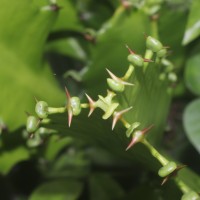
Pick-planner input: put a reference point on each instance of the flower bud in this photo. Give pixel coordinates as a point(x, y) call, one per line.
point(41, 109)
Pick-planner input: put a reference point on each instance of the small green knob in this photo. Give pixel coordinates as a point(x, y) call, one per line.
point(32, 124)
point(167, 169)
point(153, 44)
point(41, 109)
point(162, 53)
point(136, 60)
point(116, 86)
point(75, 105)
point(191, 195)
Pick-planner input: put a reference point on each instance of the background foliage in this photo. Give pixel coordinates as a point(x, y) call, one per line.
point(45, 46)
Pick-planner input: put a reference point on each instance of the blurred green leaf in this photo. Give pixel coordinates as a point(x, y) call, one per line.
point(193, 24)
point(9, 158)
point(103, 186)
point(191, 120)
point(58, 190)
point(68, 18)
point(165, 27)
point(67, 47)
point(55, 145)
point(22, 75)
point(192, 72)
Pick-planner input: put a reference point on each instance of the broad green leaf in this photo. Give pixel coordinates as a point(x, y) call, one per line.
point(8, 158)
point(22, 71)
point(55, 145)
point(192, 74)
point(193, 24)
point(123, 28)
point(68, 18)
point(191, 120)
point(173, 21)
point(103, 186)
point(57, 190)
point(67, 47)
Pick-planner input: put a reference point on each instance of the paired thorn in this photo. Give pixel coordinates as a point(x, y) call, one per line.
point(117, 78)
point(118, 115)
point(70, 114)
point(91, 104)
point(138, 136)
point(130, 50)
point(147, 60)
point(174, 173)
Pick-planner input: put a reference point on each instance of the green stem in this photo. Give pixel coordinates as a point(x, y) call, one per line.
point(155, 153)
point(184, 188)
point(56, 110)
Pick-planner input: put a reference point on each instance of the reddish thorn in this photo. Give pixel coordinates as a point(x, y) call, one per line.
point(91, 103)
point(133, 141)
point(130, 51)
point(70, 114)
point(67, 93)
point(147, 60)
point(118, 115)
point(145, 130)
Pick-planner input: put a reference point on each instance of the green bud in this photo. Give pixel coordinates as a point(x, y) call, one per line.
point(116, 86)
point(41, 109)
point(153, 44)
point(132, 128)
point(162, 53)
point(190, 196)
point(35, 141)
point(168, 65)
point(172, 77)
point(136, 60)
point(167, 169)
point(32, 124)
point(75, 105)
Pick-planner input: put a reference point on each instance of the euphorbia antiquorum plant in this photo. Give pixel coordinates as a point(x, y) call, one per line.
point(115, 84)
point(136, 99)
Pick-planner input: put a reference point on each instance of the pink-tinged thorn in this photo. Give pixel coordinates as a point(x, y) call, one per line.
point(91, 103)
point(130, 50)
point(133, 141)
point(70, 114)
point(67, 93)
point(127, 83)
point(145, 130)
point(147, 60)
point(112, 75)
point(118, 115)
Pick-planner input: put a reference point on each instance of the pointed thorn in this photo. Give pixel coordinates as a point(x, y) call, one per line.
point(118, 115)
point(112, 75)
point(127, 83)
point(145, 130)
point(130, 51)
point(69, 117)
point(67, 93)
point(91, 103)
point(133, 141)
point(165, 180)
point(147, 60)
